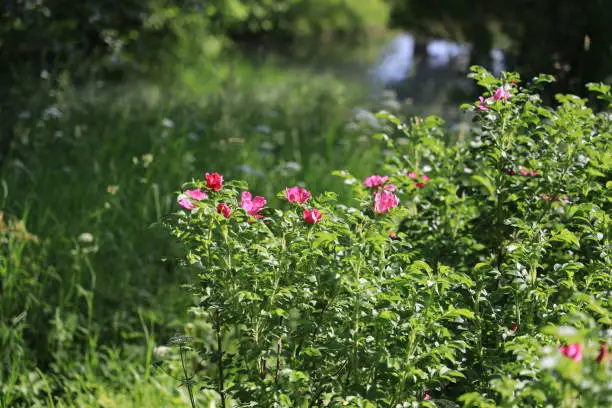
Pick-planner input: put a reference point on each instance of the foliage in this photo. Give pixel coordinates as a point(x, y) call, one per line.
point(49, 34)
point(290, 19)
point(85, 294)
point(488, 286)
point(81, 40)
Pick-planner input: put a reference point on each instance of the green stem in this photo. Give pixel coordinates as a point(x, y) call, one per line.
point(229, 252)
point(279, 349)
point(500, 195)
point(402, 384)
point(187, 378)
point(220, 377)
point(479, 348)
point(356, 312)
point(209, 240)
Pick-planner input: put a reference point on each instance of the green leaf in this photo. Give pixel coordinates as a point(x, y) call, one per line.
point(312, 351)
point(324, 238)
point(420, 266)
point(566, 236)
point(390, 117)
point(486, 182)
point(246, 295)
point(388, 315)
point(453, 313)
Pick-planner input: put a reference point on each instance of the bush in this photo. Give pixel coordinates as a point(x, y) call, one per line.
point(488, 286)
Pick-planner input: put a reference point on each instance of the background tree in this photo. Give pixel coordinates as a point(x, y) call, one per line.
point(87, 38)
point(567, 38)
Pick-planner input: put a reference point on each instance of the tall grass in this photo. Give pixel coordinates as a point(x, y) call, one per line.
point(87, 296)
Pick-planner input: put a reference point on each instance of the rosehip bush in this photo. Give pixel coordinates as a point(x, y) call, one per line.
point(472, 271)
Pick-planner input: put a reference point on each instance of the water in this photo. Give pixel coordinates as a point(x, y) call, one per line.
point(398, 62)
point(442, 53)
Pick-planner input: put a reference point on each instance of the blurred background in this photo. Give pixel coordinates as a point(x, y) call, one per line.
point(106, 107)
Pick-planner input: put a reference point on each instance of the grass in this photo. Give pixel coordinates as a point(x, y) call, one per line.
point(89, 294)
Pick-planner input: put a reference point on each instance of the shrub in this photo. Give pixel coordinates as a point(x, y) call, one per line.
point(475, 271)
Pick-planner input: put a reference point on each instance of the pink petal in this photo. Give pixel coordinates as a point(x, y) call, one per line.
point(196, 194)
point(246, 196)
point(501, 94)
point(573, 351)
point(312, 216)
point(259, 202)
point(186, 203)
point(297, 194)
point(375, 180)
point(483, 104)
point(384, 201)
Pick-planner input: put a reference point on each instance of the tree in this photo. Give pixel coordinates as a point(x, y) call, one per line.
point(568, 38)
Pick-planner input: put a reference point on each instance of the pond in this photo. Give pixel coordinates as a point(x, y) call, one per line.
point(402, 56)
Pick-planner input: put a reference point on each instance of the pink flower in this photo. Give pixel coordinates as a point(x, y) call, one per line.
point(375, 181)
point(297, 195)
point(214, 181)
point(483, 104)
point(252, 205)
point(390, 187)
point(573, 351)
point(424, 179)
point(501, 94)
point(196, 194)
point(186, 203)
point(427, 397)
point(312, 216)
point(224, 209)
point(384, 201)
point(528, 173)
point(393, 236)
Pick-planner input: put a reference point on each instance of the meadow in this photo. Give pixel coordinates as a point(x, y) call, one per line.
point(92, 286)
point(473, 270)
